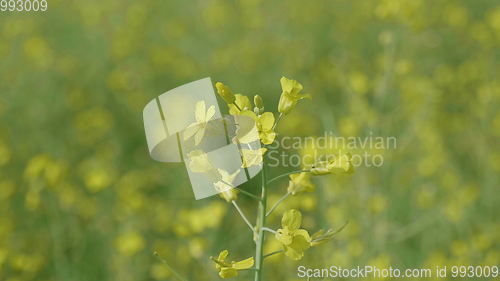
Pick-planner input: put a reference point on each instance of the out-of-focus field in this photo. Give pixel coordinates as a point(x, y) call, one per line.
point(80, 198)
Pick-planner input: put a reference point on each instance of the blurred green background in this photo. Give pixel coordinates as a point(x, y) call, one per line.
point(80, 198)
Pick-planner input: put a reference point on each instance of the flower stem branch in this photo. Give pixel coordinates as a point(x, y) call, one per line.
point(273, 253)
point(277, 121)
point(235, 104)
point(176, 274)
point(248, 194)
point(243, 216)
point(287, 174)
point(278, 203)
point(269, 230)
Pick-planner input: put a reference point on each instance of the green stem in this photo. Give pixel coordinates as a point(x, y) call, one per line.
point(277, 121)
point(273, 253)
point(278, 203)
point(234, 103)
point(261, 220)
point(176, 274)
point(243, 215)
point(269, 230)
point(248, 193)
point(287, 174)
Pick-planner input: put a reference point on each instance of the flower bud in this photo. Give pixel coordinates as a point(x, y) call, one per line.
point(257, 100)
point(225, 93)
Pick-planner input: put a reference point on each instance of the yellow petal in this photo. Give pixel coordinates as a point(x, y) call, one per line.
point(284, 236)
point(244, 264)
point(301, 242)
point(290, 85)
point(266, 121)
point(247, 127)
point(300, 183)
point(198, 162)
point(252, 157)
point(243, 103)
point(199, 135)
point(190, 131)
point(210, 113)
point(267, 137)
point(250, 114)
point(228, 272)
point(303, 233)
point(223, 255)
point(292, 219)
point(199, 112)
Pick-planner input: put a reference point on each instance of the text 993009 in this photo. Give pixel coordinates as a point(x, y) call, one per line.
point(24, 5)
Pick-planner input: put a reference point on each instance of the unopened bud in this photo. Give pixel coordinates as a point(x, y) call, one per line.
point(225, 93)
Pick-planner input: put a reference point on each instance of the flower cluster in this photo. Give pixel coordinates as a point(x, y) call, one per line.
point(293, 239)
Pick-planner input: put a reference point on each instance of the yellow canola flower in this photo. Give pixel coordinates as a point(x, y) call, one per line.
point(230, 269)
point(294, 240)
point(337, 165)
point(290, 95)
point(202, 116)
point(264, 123)
point(199, 163)
point(225, 93)
point(225, 185)
point(300, 182)
point(242, 101)
point(252, 157)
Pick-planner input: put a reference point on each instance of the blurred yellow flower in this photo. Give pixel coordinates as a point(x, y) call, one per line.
point(230, 269)
point(4, 153)
point(294, 240)
point(300, 182)
point(290, 95)
point(203, 116)
point(129, 243)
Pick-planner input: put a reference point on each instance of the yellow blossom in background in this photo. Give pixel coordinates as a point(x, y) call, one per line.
point(129, 243)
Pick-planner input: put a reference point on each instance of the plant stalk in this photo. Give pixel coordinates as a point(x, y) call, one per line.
point(261, 220)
